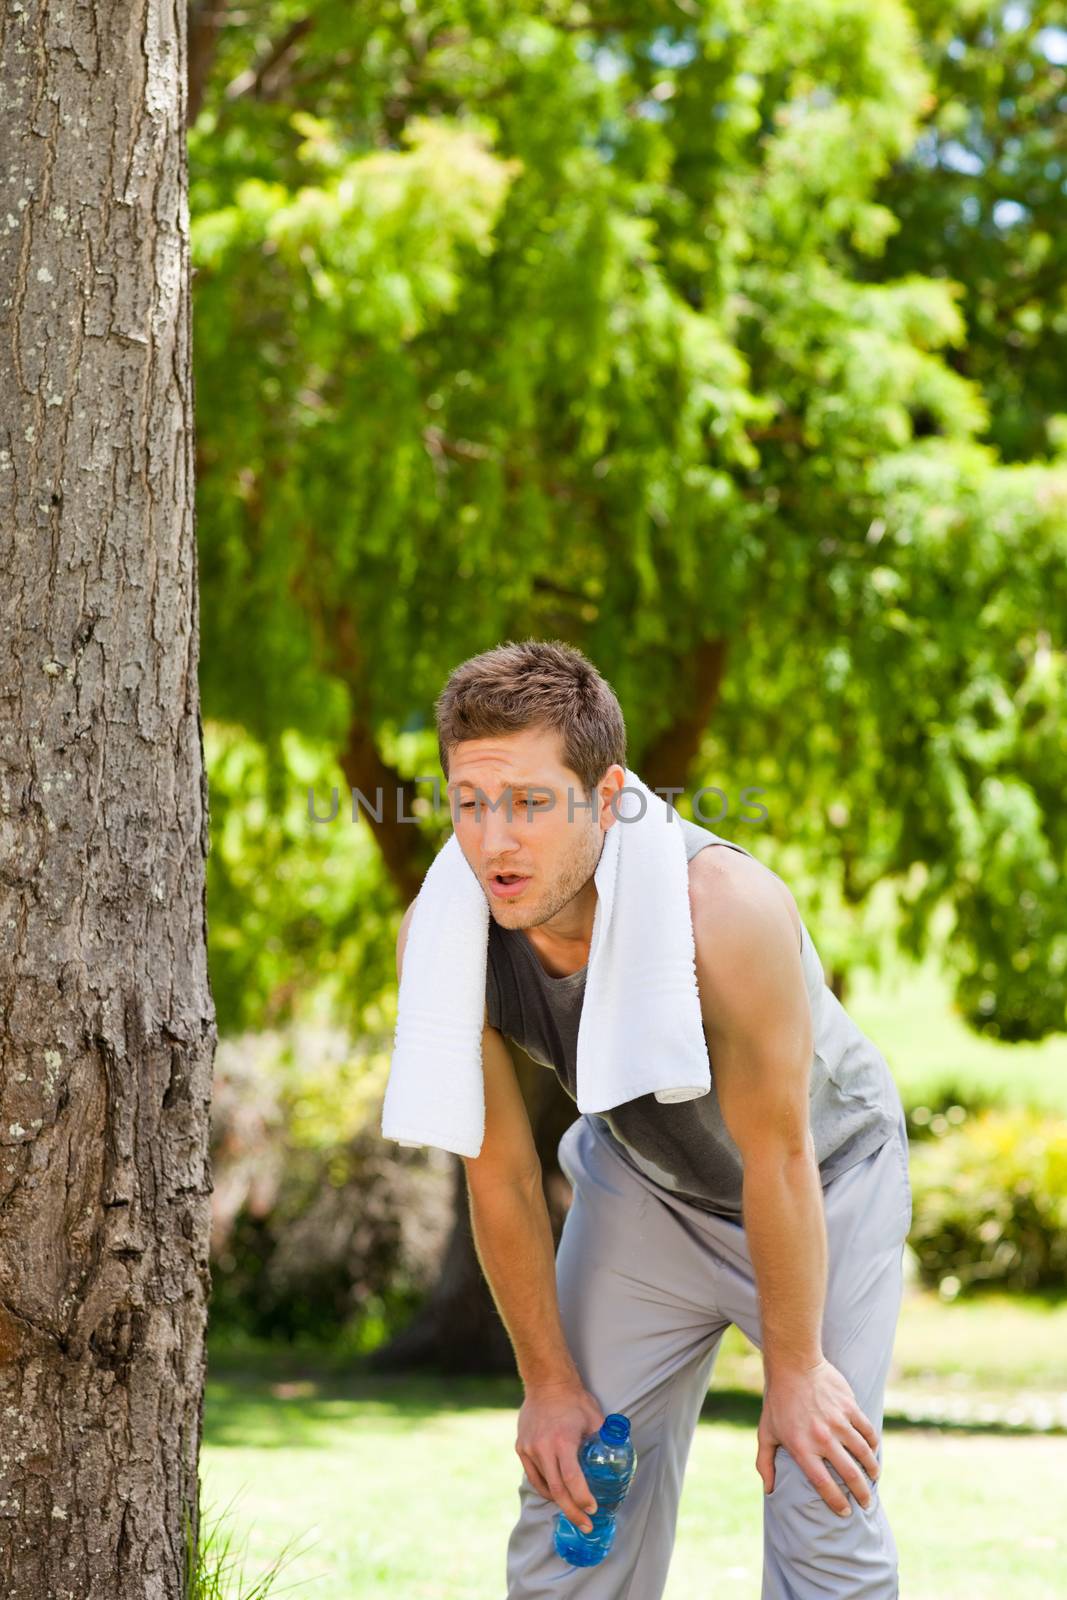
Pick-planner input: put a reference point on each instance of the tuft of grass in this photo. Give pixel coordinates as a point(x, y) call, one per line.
point(209, 1567)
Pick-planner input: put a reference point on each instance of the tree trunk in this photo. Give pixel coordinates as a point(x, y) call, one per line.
point(667, 760)
point(109, 1027)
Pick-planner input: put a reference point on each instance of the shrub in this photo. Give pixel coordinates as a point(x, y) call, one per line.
point(949, 1107)
point(990, 1202)
point(321, 1230)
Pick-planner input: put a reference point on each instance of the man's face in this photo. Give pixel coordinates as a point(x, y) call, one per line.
point(556, 855)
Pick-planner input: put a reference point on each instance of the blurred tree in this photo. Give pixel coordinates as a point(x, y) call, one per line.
point(979, 199)
point(578, 321)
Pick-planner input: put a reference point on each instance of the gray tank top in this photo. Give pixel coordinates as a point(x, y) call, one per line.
point(686, 1147)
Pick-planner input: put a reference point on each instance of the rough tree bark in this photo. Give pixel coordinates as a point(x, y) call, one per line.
point(108, 1031)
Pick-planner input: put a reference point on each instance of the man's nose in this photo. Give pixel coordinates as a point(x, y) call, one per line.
point(498, 829)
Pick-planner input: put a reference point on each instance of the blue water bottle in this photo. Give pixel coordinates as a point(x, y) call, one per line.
point(608, 1460)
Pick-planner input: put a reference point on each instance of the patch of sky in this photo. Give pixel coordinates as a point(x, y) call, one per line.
point(609, 62)
point(666, 50)
point(651, 110)
point(959, 158)
point(1052, 42)
point(1006, 213)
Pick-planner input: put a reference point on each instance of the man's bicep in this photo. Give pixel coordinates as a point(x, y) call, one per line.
point(763, 1081)
point(757, 1018)
point(508, 1153)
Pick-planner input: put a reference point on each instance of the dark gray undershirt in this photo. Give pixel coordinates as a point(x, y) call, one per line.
point(686, 1147)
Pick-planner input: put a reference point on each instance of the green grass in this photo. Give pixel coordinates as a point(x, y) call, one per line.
point(998, 1343)
point(406, 1488)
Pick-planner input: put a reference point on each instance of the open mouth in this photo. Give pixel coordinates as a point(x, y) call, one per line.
point(508, 882)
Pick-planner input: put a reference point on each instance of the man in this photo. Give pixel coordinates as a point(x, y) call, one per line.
point(779, 1201)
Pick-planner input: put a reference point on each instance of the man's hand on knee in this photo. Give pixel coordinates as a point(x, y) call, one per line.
point(813, 1413)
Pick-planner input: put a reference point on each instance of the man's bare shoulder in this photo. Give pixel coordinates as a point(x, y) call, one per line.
point(747, 948)
point(720, 878)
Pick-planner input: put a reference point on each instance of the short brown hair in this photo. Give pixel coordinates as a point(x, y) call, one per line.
point(535, 683)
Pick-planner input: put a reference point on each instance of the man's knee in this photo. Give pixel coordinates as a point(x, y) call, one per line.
point(810, 1538)
point(793, 1486)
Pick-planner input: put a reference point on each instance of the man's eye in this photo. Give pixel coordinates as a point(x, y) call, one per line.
point(538, 805)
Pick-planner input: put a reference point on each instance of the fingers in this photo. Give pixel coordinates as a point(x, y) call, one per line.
point(831, 1491)
point(564, 1483)
point(857, 1445)
point(864, 1425)
point(832, 1451)
point(571, 1492)
point(533, 1472)
point(852, 1473)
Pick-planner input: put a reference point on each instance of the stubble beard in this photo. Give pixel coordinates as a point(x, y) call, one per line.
point(575, 877)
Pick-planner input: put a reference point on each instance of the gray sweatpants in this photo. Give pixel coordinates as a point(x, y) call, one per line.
point(647, 1285)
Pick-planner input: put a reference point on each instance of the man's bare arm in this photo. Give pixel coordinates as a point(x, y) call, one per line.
point(511, 1226)
point(757, 1016)
point(512, 1235)
point(509, 1218)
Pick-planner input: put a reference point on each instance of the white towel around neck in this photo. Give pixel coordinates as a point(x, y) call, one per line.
point(640, 1030)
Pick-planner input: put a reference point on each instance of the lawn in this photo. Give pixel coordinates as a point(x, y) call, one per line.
point(406, 1489)
point(336, 1466)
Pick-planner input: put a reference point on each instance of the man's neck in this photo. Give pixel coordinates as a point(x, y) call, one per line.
point(557, 963)
point(562, 944)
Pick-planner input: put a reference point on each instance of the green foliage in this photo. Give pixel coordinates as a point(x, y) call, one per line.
point(974, 585)
point(296, 908)
point(603, 324)
point(324, 1234)
point(980, 201)
point(990, 1203)
point(949, 1108)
